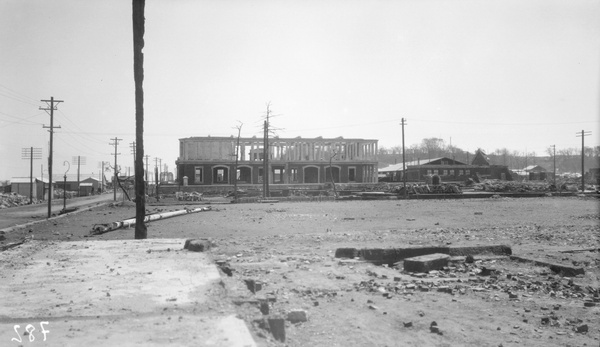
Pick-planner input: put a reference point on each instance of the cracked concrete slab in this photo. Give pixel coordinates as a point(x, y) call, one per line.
point(122, 292)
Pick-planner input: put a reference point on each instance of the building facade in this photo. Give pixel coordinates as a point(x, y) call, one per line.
point(446, 169)
point(23, 186)
point(212, 160)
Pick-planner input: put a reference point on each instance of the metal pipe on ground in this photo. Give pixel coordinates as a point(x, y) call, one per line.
point(104, 228)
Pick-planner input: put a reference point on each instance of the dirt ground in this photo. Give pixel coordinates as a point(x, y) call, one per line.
point(289, 249)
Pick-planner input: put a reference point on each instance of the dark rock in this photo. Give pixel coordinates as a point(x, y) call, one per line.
point(277, 328)
point(264, 307)
point(582, 328)
point(197, 245)
point(296, 316)
point(253, 286)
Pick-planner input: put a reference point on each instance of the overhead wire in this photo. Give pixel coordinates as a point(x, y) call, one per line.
point(14, 95)
point(21, 120)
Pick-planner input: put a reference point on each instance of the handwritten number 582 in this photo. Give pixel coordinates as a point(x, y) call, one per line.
point(29, 328)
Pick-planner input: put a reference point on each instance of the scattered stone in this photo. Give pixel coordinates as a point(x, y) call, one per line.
point(277, 328)
point(264, 307)
point(346, 253)
point(197, 245)
point(487, 272)
point(296, 316)
point(469, 259)
point(426, 263)
point(582, 328)
point(444, 289)
point(408, 324)
point(563, 270)
point(434, 328)
point(253, 286)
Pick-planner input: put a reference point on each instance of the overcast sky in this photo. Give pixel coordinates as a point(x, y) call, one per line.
point(521, 74)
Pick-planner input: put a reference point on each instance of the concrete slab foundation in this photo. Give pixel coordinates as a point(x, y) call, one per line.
point(392, 255)
point(114, 293)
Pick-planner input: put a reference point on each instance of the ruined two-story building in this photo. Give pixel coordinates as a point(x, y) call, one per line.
point(212, 160)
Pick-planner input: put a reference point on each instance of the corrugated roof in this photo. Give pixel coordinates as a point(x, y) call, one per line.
point(72, 177)
point(398, 167)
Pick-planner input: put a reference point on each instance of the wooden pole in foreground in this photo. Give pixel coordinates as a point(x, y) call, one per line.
point(138, 74)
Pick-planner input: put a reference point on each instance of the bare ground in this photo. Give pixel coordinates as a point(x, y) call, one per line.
point(290, 247)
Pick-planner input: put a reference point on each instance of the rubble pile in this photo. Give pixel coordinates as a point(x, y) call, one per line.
point(445, 188)
point(14, 199)
point(60, 193)
point(511, 186)
point(191, 196)
point(464, 278)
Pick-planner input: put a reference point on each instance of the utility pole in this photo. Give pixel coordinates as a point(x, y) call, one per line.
point(160, 170)
point(266, 158)
point(132, 145)
point(116, 178)
point(78, 160)
point(266, 154)
point(155, 170)
point(78, 181)
point(156, 160)
point(583, 134)
point(554, 159)
point(146, 177)
point(31, 153)
point(404, 159)
point(50, 107)
point(102, 177)
point(139, 28)
point(235, 168)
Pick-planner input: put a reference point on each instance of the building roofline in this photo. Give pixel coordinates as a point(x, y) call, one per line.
point(298, 138)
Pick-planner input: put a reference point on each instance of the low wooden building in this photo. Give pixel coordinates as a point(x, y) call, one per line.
point(26, 186)
point(86, 185)
point(445, 169)
point(211, 160)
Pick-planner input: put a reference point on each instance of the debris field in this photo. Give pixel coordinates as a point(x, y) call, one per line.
point(470, 272)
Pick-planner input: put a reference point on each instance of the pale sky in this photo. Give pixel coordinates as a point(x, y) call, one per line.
point(516, 74)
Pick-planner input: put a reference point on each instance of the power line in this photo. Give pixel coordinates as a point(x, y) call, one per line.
point(20, 95)
point(20, 120)
point(79, 144)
